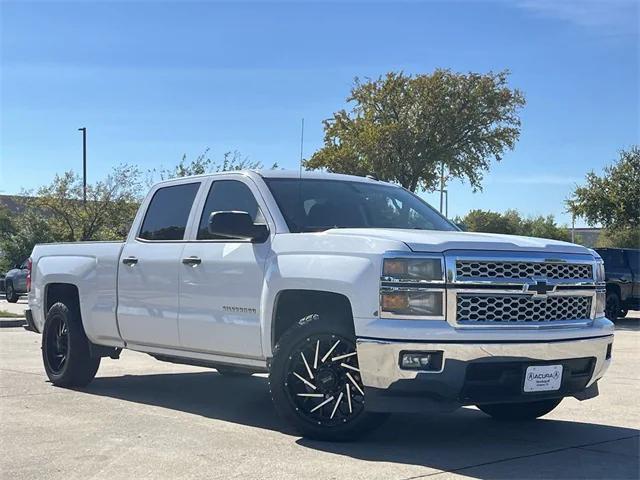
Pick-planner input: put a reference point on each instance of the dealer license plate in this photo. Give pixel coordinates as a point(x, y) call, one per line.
point(543, 378)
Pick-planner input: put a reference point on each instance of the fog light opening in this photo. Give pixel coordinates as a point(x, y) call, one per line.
point(423, 361)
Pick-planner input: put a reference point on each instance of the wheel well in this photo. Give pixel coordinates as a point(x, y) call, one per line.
point(292, 305)
point(61, 292)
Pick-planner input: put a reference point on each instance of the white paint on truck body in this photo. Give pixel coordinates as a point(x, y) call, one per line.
point(223, 309)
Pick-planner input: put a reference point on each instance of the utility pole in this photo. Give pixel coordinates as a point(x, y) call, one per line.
point(573, 228)
point(84, 164)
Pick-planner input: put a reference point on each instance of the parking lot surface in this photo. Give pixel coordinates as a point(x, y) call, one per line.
point(142, 418)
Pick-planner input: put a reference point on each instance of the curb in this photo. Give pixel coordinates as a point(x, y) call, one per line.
point(12, 322)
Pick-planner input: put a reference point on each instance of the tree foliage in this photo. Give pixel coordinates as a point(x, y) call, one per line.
point(22, 232)
point(402, 128)
point(612, 200)
point(106, 215)
point(512, 223)
point(203, 163)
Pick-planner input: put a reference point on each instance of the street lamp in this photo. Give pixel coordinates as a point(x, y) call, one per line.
point(84, 164)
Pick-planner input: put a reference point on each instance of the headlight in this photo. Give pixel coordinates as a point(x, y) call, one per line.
point(599, 271)
point(412, 303)
point(412, 288)
point(601, 302)
point(413, 269)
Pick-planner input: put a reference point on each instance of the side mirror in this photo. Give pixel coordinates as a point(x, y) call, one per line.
point(237, 225)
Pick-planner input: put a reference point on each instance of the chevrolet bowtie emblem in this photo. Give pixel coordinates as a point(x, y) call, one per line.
point(539, 287)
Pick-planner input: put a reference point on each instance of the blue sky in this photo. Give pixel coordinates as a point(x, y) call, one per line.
point(152, 80)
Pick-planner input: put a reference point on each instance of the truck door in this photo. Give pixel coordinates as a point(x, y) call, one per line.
point(222, 278)
point(149, 270)
point(21, 279)
point(634, 262)
point(617, 271)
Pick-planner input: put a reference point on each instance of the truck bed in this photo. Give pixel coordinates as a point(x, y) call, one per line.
point(93, 268)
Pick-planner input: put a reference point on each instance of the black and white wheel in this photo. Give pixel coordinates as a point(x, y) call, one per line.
point(65, 349)
point(10, 293)
point(315, 381)
point(515, 412)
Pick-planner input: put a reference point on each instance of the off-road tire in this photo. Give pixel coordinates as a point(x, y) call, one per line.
point(613, 309)
point(517, 412)
point(305, 330)
point(79, 367)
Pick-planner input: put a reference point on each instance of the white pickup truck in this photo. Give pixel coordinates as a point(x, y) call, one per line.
point(355, 296)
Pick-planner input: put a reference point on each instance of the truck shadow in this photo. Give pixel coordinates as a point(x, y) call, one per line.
point(452, 442)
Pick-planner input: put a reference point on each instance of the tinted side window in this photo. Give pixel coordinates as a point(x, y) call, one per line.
point(634, 260)
point(168, 212)
point(613, 259)
point(228, 195)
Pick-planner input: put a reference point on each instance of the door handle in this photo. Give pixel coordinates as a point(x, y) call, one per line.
point(131, 261)
point(193, 261)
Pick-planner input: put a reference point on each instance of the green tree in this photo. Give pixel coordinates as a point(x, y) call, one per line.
point(28, 228)
point(612, 200)
point(512, 223)
point(106, 215)
point(405, 128)
point(203, 163)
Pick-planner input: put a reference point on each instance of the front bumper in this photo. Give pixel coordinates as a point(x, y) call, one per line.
point(476, 373)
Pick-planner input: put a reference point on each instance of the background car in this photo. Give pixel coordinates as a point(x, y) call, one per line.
point(15, 282)
point(1, 282)
point(622, 274)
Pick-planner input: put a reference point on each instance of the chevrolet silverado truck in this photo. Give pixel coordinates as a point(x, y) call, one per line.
point(354, 295)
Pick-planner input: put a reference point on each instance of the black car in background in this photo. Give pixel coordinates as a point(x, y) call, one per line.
point(15, 282)
point(622, 274)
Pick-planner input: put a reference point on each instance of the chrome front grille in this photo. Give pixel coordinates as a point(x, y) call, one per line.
point(514, 269)
point(520, 289)
point(503, 309)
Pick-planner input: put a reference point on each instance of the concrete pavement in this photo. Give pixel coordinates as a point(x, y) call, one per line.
point(142, 418)
point(17, 308)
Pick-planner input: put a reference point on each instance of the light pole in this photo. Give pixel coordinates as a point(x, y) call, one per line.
point(84, 164)
point(445, 191)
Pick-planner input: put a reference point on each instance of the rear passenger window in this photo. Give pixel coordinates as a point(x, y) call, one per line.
point(168, 212)
point(613, 259)
point(225, 196)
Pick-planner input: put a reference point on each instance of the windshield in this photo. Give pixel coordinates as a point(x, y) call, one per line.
point(316, 205)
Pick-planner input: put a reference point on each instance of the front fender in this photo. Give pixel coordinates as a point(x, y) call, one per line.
point(355, 277)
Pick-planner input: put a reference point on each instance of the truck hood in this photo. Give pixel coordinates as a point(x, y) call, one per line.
point(438, 241)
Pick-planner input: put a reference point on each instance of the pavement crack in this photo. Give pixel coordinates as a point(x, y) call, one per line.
point(584, 446)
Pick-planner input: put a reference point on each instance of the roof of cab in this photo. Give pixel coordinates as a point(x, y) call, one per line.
point(313, 174)
point(294, 174)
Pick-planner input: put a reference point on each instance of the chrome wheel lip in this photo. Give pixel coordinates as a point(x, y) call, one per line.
point(342, 400)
